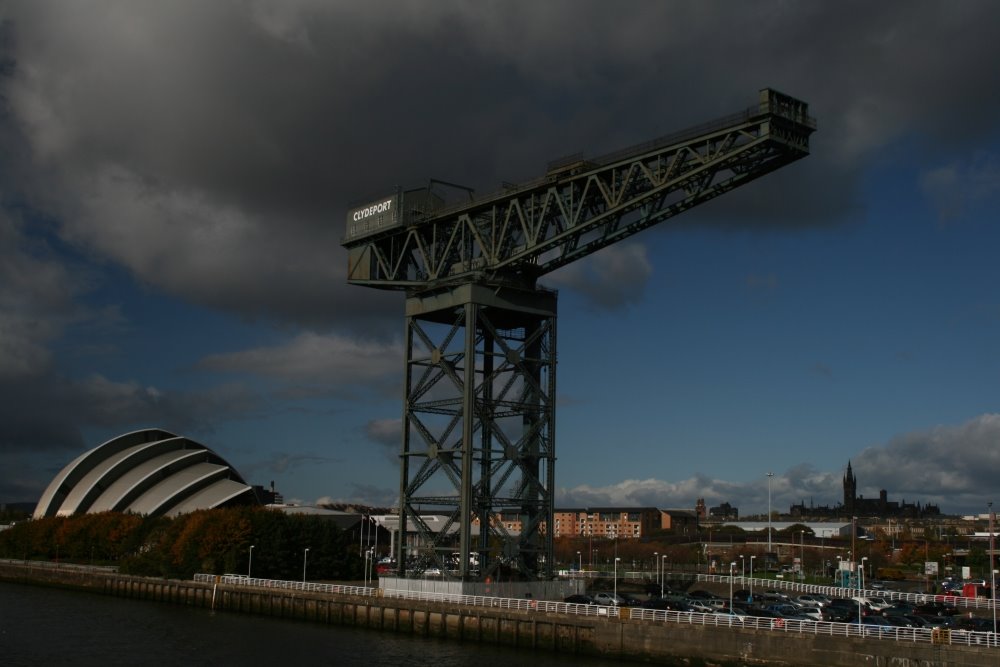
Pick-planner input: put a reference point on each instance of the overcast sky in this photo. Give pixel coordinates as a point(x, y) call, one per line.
point(174, 178)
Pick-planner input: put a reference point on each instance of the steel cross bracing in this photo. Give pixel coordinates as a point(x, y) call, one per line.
point(478, 427)
point(580, 206)
point(478, 430)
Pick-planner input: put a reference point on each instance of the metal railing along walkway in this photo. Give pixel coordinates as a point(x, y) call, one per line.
point(956, 601)
point(833, 629)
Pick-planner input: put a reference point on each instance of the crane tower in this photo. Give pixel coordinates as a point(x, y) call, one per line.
point(478, 426)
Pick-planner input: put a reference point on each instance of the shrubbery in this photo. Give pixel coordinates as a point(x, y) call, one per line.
point(210, 541)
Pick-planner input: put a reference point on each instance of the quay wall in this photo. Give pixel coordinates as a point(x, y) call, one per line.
point(617, 637)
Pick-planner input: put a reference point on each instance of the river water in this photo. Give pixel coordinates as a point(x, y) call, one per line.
point(47, 626)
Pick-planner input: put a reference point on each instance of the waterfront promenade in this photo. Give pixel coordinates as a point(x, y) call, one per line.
point(643, 634)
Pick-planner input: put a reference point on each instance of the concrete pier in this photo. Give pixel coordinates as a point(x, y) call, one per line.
point(668, 643)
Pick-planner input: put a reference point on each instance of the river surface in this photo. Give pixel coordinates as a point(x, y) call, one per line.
point(49, 626)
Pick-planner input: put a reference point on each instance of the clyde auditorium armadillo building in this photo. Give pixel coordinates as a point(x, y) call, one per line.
point(152, 472)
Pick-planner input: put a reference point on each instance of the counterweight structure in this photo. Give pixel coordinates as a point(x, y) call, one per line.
point(478, 431)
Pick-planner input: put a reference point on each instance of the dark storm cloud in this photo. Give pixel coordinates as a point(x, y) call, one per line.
point(212, 148)
point(956, 466)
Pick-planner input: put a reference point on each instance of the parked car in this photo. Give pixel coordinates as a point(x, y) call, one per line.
point(783, 609)
point(877, 603)
point(935, 609)
point(901, 621)
point(779, 596)
point(809, 614)
point(876, 625)
point(973, 624)
point(762, 613)
point(579, 599)
point(742, 595)
point(608, 599)
point(703, 595)
point(898, 608)
point(701, 606)
point(666, 604)
point(840, 610)
point(812, 600)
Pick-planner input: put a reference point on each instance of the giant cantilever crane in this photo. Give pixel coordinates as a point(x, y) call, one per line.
point(478, 428)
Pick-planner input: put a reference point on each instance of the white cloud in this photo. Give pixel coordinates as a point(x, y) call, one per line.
point(386, 432)
point(959, 186)
point(609, 279)
point(955, 467)
point(314, 357)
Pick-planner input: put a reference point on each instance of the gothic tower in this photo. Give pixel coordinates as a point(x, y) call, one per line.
point(850, 489)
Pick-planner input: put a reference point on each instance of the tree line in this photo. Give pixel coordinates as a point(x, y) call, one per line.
point(214, 541)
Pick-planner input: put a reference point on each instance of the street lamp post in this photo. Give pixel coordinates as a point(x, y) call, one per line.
point(802, 555)
point(861, 586)
point(579, 557)
point(663, 572)
point(305, 559)
point(732, 567)
point(993, 573)
point(743, 570)
point(750, 598)
point(617, 559)
point(769, 476)
point(656, 565)
point(250, 564)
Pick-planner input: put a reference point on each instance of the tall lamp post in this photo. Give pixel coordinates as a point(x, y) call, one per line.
point(743, 570)
point(732, 568)
point(617, 559)
point(579, 557)
point(802, 555)
point(250, 564)
point(663, 572)
point(656, 565)
point(993, 573)
point(750, 597)
point(769, 476)
point(305, 559)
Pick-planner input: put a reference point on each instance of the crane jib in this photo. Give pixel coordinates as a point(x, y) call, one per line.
point(414, 239)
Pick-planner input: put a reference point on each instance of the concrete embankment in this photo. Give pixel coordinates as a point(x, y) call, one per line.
point(624, 637)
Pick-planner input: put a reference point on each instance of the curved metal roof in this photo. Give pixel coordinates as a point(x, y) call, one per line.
point(151, 471)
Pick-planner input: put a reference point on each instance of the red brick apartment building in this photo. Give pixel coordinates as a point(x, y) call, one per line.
point(608, 522)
